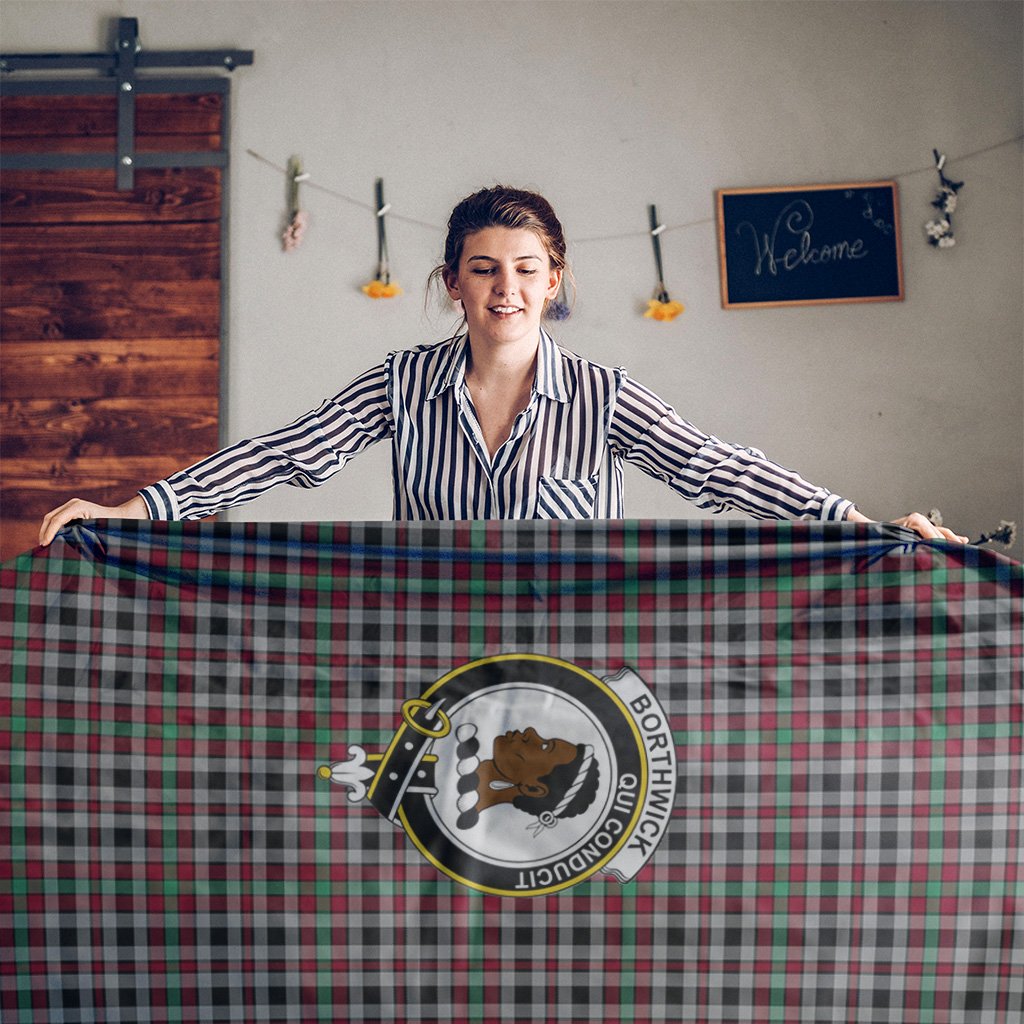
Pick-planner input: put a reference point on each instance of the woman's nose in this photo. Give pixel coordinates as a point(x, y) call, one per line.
point(504, 284)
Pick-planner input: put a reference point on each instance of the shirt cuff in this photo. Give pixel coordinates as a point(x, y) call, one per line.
point(835, 508)
point(160, 501)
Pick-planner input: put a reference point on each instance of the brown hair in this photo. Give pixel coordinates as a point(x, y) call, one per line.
point(501, 207)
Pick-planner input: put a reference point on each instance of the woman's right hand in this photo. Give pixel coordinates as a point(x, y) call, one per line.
point(79, 508)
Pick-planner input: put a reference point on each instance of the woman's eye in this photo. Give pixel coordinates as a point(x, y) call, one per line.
point(489, 271)
point(545, 745)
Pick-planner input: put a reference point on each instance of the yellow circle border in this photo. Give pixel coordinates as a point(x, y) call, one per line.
point(626, 832)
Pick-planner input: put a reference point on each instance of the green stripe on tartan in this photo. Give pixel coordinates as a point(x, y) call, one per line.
point(627, 956)
point(475, 953)
point(877, 733)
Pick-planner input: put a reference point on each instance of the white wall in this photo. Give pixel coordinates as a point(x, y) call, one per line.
point(606, 107)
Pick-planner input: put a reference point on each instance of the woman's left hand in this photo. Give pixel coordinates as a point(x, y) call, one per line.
point(917, 522)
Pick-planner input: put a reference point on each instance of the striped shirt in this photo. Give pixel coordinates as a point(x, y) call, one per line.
point(562, 460)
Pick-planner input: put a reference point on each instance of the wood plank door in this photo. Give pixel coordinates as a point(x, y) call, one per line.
point(110, 307)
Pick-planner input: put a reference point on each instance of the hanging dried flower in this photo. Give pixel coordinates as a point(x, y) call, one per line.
point(661, 307)
point(940, 231)
point(298, 218)
point(381, 287)
point(1005, 534)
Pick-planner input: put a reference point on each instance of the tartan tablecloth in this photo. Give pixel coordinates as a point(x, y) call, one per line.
point(264, 772)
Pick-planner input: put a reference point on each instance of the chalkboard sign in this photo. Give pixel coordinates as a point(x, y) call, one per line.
point(809, 245)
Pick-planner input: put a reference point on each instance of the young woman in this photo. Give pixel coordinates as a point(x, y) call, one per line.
point(497, 422)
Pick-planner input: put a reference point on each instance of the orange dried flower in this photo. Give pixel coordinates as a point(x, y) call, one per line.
point(380, 290)
point(664, 311)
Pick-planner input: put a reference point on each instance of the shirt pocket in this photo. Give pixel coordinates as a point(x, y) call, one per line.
point(565, 498)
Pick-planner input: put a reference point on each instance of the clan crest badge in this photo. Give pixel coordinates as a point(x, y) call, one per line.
point(521, 775)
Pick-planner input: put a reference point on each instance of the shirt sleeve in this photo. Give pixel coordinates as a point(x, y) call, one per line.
point(304, 453)
point(711, 473)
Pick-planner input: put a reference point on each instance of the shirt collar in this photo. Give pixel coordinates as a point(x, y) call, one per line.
point(451, 370)
point(551, 372)
point(550, 379)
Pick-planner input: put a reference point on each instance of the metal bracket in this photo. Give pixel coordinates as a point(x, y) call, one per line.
point(123, 65)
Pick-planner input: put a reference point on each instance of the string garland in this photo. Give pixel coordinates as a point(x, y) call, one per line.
point(311, 183)
point(660, 308)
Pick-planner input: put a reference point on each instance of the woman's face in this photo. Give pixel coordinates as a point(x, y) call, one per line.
point(503, 282)
point(526, 757)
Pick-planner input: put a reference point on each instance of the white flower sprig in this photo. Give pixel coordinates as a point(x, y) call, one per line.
point(940, 230)
point(1005, 533)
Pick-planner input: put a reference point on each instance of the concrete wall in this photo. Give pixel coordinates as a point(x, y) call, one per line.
point(606, 107)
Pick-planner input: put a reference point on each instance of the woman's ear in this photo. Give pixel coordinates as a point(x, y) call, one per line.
point(451, 283)
point(554, 282)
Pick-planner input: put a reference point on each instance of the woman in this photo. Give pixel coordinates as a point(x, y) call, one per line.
point(497, 422)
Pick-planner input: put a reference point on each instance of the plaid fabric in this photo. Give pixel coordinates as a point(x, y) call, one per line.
point(846, 707)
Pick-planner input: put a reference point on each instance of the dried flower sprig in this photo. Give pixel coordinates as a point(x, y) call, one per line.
point(940, 230)
point(660, 307)
point(1005, 533)
point(298, 219)
point(381, 287)
point(292, 237)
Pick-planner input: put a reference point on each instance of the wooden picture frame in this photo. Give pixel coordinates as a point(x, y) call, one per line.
point(809, 245)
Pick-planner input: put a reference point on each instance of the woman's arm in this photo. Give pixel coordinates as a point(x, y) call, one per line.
point(712, 473)
point(305, 453)
point(716, 475)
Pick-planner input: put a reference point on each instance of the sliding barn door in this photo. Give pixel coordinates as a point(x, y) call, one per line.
point(110, 305)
